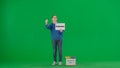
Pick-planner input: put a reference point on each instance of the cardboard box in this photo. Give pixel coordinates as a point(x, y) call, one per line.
point(70, 60)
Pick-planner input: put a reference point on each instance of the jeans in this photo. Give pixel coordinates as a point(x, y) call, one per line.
point(57, 44)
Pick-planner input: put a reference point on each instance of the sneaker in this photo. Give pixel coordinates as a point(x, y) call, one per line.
point(54, 63)
point(60, 63)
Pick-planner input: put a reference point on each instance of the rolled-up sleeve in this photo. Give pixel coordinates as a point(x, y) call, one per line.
point(48, 26)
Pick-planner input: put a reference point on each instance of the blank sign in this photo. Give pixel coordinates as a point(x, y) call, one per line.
point(59, 26)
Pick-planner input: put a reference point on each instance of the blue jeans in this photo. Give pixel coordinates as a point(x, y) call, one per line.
point(57, 44)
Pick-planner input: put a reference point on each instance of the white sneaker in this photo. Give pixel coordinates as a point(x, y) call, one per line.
point(60, 63)
point(54, 63)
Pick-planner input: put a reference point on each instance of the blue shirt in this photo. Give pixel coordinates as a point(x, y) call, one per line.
point(55, 34)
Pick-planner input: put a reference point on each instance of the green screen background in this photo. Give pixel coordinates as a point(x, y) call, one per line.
point(92, 30)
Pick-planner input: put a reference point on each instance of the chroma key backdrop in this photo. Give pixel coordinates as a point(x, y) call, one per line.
point(92, 33)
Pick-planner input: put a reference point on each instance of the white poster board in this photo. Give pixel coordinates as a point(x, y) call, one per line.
point(59, 26)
